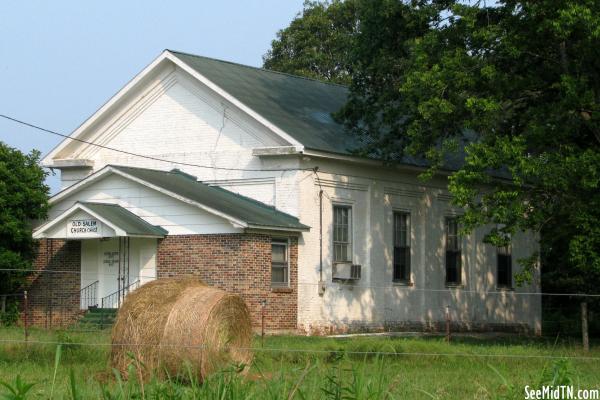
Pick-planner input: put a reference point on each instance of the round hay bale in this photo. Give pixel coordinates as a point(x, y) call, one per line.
point(178, 325)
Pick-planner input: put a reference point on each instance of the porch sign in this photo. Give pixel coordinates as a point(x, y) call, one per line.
point(83, 228)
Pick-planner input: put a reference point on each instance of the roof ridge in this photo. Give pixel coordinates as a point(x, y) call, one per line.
point(258, 68)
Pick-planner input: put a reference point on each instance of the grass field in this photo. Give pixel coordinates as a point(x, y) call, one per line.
point(309, 368)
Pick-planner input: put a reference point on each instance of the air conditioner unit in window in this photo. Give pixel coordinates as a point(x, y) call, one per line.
point(346, 271)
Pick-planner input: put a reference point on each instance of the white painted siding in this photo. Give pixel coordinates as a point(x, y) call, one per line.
point(176, 217)
point(376, 300)
point(177, 118)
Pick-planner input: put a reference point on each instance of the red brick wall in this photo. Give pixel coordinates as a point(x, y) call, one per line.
point(53, 293)
point(239, 263)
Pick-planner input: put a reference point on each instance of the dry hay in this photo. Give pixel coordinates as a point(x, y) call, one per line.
point(178, 325)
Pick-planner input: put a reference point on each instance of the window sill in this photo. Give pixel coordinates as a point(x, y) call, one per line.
point(455, 286)
point(403, 283)
point(282, 289)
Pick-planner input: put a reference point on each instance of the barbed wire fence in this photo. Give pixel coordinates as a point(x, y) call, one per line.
point(63, 310)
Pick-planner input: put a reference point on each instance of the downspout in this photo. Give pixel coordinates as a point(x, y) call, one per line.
point(321, 283)
point(321, 235)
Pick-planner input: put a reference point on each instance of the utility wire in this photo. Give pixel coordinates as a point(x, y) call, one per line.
point(310, 169)
point(18, 121)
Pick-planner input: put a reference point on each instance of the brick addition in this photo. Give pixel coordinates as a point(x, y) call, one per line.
point(238, 263)
point(53, 292)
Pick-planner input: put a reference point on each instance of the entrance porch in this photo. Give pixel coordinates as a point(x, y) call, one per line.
point(113, 267)
point(117, 254)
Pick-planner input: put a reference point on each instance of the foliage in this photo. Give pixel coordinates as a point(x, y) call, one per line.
point(18, 390)
point(505, 95)
point(11, 313)
point(515, 88)
point(318, 42)
point(23, 198)
point(288, 373)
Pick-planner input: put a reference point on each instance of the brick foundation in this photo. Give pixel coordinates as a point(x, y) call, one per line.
point(53, 293)
point(238, 263)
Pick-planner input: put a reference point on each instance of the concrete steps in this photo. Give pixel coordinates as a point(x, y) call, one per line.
point(98, 318)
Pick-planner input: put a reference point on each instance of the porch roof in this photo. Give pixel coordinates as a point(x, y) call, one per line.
point(253, 213)
point(124, 219)
point(118, 221)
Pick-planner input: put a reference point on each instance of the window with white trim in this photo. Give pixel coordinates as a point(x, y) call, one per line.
point(280, 265)
point(401, 246)
point(504, 266)
point(453, 252)
point(342, 234)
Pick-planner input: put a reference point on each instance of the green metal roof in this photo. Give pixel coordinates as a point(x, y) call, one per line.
point(252, 212)
point(299, 106)
point(124, 219)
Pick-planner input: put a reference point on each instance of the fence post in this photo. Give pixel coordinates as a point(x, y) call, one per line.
point(584, 327)
point(448, 324)
point(263, 304)
point(26, 312)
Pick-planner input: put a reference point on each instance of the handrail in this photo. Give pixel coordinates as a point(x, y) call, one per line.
point(88, 295)
point(115, 298)
point(85, 298)
point(91, 284)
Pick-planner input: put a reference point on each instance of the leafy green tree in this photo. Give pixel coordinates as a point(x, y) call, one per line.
point(23, 199)
point(318, 42)
point(516, 87)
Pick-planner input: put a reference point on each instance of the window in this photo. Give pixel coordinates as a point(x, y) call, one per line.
point(453, 256)
point(504, 266)
point(401, 246)
point(342, 234)
point(279, 263)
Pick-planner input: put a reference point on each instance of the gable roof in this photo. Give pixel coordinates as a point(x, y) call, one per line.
point(295, 108)
point(301, 107)
point(238, 209)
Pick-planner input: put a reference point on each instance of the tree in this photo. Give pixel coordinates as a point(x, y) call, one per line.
point(513, 89)
point(23, 199)
point(516, 87)
point(318, 42)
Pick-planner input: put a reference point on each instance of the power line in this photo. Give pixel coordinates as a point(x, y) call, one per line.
point(310, 169)
point(18, 121)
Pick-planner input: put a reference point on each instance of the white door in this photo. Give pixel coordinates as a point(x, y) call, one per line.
point(108, 253)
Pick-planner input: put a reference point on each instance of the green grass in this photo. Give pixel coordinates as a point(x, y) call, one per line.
point(310, 367)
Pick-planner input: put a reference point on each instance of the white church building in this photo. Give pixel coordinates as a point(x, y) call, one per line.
point(240, 176)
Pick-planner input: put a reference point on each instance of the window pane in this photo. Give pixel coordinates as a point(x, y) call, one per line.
point(278, 253)
point(452, 238)
point(453, 266)
point(278, 275)
point(504, 267)
point(402, 263)
point(342, 236)
point(280, 266)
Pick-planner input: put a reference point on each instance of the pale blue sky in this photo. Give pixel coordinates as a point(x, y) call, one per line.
point(61, 60)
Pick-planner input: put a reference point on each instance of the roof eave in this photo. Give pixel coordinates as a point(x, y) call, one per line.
point(302, 228)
